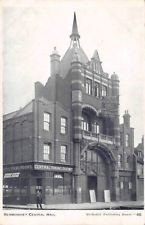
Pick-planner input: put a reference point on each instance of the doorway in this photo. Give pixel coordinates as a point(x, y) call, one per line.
point(92, 184)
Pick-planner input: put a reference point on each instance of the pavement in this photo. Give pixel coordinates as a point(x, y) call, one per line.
point(83, 206)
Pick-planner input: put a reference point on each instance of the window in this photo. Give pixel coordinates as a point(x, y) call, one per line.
point(46, 151)
point(88, 86)
point(85, 125)
point(119, 161)
point(63, 125)
point(63, 156)
point(127, 140)
point(97, 89)
point(96, 128)
point(58, 184)
point(104, 90)
point(46, 121)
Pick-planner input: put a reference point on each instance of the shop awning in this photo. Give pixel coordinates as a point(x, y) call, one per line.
point(11, 175)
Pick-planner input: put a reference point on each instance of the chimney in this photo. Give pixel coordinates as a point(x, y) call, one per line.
point(126, 118)
point(54, 62)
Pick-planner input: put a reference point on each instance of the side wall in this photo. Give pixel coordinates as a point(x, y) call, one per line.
point(18, 139)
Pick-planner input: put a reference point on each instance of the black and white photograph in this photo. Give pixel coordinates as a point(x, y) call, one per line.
point(73, 110)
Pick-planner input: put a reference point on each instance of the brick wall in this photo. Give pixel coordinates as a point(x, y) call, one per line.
point(18, 139)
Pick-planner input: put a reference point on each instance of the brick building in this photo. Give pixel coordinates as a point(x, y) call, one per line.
point(66, 141)
point(127, 160)
point(139, 153)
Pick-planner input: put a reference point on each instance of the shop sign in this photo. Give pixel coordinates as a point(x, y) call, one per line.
point(17, 168)
point(52, 168)
point(11, 175)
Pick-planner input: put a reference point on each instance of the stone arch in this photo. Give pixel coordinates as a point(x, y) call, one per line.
point(90, 107)
point(108, 180)
point(103, 150)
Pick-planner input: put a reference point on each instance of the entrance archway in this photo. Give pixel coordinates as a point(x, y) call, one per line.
point(99, 163)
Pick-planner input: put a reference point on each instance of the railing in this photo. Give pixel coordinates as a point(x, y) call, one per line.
point(98, 137)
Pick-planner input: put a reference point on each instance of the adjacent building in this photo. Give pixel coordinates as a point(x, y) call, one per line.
point(126, 160)
point(139, 153)
point(68, 140)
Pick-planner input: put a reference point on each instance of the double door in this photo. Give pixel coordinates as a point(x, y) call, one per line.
point(98, 184)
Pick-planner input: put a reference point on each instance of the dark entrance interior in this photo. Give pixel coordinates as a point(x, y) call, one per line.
point(92, 184)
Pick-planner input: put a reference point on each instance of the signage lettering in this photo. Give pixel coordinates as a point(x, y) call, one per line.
point(17, 168)
point(49, 167)
point(11, 175)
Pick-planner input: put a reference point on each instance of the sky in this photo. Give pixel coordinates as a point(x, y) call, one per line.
point(31, 29)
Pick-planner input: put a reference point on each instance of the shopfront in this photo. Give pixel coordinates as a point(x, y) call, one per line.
point(55, 182)
point(57, 187)
point(16, 188)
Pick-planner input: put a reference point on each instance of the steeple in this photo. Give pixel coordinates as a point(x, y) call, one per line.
point(75, 34)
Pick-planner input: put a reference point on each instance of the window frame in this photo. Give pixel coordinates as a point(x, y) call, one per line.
point(46, 123)
point(126, 140)
point(97, 90)
point(47, 153)
point(96, 128)
point(104, 91)
point(120, 160)
point(85, 125)
point(63, 155)
point(63, 126)
point(88, 86)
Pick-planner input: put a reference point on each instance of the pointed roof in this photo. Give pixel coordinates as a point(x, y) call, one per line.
point(74, 50)
point(75, 33)
point(96, 56)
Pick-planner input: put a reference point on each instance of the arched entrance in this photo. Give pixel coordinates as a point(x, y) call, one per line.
point(98, 164)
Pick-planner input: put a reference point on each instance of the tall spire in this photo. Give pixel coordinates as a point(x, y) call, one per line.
point(75, 34)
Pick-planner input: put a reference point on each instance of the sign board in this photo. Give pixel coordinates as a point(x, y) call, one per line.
point(18, 168)
point(51, 168)
point(11, 175)
point(107, 196)
point(92, 195)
